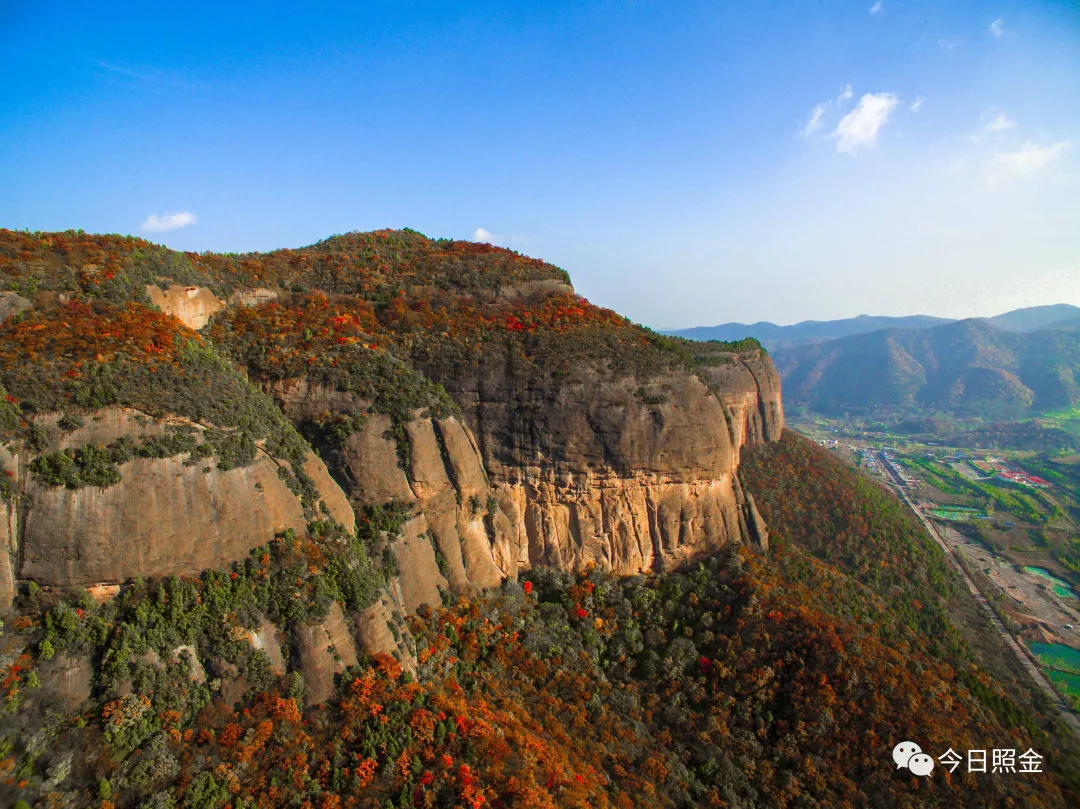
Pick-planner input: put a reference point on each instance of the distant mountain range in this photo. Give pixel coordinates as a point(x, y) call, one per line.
point(969, 368)
point(774, 337)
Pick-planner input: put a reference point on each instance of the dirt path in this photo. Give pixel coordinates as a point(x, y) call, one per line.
point(1071, 719)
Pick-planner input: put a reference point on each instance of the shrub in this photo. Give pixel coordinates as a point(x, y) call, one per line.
point(75, 468)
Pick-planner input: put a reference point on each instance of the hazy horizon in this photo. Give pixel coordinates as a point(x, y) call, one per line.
point(688, 165)
point(847, 317)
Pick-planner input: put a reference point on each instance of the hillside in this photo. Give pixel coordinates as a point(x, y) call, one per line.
point(969, 368)
point(774, 337)
point(735, 682)
point(394, 521)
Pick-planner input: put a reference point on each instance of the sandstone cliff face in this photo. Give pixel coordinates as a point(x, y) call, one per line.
point(106, 425)
point(194, 306)
point(9, 532)
point(335, 504)
point(589, 472)
point(454, 541)
point(585, 474)
point(324, 650)
point(8, 548)
point(381, 630)
point(165, 516)
point(750, 388)
point(448, 480)
point(266, 639)
point(598, 471)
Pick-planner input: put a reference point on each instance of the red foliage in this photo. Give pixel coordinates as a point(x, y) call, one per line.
point(81, 331)
point(309, 330)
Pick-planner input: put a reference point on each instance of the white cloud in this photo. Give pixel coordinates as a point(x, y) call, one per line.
point(997, 27)
point(949, 43)
point(1030, 158)
point(999, 123)
point(877, 8)
point(511, 241)
point(916, 105)
point(817, 114)
point(860, 127)
point(167, 221)
point(814, 124)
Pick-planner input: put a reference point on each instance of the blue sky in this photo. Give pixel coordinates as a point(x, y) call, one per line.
point(688, 162)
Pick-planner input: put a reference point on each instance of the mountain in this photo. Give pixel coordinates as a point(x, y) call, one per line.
point(1072, 324)
point(774, 337)
point(438, 374)
point(397, 521)
point(1035, 318)
point(969, 368)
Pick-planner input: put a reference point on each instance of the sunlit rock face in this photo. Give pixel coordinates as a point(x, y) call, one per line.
point(165, 515)
point(593, 473)
point(588, 474)
point(194, 306)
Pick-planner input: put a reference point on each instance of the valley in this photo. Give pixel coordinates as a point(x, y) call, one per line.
point(1008, 517)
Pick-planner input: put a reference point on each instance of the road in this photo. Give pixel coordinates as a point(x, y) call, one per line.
point(894, 473)
point(1071, 719)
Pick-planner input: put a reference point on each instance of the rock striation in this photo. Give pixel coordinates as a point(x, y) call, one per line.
point(459, 536)
point(594, 471)
point(325, 650)
point(590, 473)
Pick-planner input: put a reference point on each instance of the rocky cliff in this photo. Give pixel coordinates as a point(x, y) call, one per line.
point(588, 473)
point(458, 537)
point(517, 423)
point(163, 515)
point(598, 471)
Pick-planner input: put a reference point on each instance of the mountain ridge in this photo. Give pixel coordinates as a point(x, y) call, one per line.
point(968, 367)
point(773, 336)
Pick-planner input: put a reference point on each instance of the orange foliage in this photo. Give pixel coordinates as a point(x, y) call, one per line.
point(80, 331)
point(309, 328)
